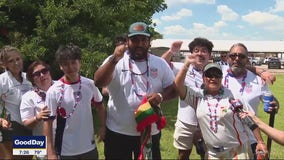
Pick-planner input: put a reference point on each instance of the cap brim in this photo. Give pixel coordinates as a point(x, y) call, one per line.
point(136, 34)
point(214, 69)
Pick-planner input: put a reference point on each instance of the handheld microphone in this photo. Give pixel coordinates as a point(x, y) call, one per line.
point(237, 107)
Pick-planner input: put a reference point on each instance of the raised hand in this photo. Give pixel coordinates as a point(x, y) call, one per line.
point(175, 47)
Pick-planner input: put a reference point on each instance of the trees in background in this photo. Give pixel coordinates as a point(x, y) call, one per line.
point(38, 27)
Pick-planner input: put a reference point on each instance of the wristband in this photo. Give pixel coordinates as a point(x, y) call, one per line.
point(161, 96)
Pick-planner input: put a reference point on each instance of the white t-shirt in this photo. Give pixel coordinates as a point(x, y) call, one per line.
point(186, 113)
point(11, 92)
point(30, 106)
point(130, 79)
point(249, 89)
point(78, 134)
point(219, 125)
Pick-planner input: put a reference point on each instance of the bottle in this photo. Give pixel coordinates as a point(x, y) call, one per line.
point(200, 147)
point(267, 98)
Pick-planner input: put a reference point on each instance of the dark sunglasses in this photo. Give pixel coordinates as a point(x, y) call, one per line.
point(235, 55)
point(42, 71)
point(213, 75)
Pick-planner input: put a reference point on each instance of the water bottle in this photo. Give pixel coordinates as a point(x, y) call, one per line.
point(267, 98)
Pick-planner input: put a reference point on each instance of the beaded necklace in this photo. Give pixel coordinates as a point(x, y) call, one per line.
point(60, 110)
point(40, 93)
point(132, 74)
point(213, 112)
point(243, 83)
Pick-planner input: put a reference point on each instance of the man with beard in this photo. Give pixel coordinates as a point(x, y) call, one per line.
point(246, 86)
point(131, 73)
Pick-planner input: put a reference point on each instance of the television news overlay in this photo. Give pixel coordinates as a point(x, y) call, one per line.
point(29, 145)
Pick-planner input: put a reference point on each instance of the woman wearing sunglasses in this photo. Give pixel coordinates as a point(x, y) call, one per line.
point(224, 133)
point(32, 108)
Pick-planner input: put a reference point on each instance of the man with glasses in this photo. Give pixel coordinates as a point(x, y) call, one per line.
point(245, 86)
point(187, 131)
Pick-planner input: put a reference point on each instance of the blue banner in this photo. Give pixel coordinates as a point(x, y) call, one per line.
point(29, 142)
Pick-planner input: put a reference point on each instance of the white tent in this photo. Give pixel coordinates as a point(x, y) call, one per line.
point(224, 45)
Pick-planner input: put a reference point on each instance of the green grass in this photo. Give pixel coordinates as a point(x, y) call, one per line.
point(170, 111)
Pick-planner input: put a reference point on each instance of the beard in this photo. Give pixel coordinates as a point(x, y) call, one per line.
point(238, 71)
point(138, 53)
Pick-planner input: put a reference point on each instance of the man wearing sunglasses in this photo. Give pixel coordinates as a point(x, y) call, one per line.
point(245, 86)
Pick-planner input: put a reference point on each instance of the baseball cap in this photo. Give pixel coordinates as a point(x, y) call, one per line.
point(217, 69)
point(139, 28)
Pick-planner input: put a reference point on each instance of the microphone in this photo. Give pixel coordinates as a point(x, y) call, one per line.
point(237, 107)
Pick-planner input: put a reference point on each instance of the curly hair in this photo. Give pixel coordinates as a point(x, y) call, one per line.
point(201, 42)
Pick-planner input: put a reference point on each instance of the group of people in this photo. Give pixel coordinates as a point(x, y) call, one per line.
point(33, 104)
point(61, 110)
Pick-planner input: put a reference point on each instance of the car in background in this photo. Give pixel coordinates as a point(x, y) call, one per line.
point(274, 63)
point(255, 61)
point(282, 62)
point(266, 59)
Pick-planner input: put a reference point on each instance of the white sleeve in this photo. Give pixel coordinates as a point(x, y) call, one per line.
point(27, 106)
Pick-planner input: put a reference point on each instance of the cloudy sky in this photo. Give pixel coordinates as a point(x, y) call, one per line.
point(222, 19)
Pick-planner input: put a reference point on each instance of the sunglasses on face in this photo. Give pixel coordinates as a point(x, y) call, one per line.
point(239, 55)
point(42, 71)
point(213, 75)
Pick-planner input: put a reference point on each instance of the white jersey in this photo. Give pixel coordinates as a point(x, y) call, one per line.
point(248, 88)
point(224, 65)
point(132, 80)
point(186, 113)
point(78, 136)
point(219, 125)
point(11, 92)
point(30, 106)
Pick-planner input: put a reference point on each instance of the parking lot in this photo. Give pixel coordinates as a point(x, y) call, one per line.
point(272, 70)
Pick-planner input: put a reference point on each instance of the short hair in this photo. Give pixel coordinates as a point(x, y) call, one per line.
point(239, 45)
point(31, 67)
point(120, 39)
point(200, 42)
point(68, 52)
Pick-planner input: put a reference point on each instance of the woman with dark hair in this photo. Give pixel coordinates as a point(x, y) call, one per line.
point(32, 108)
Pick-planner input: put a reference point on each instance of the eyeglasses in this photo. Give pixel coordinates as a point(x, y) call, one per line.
point(239, 55)
point(213, 75)
point(42, 71)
